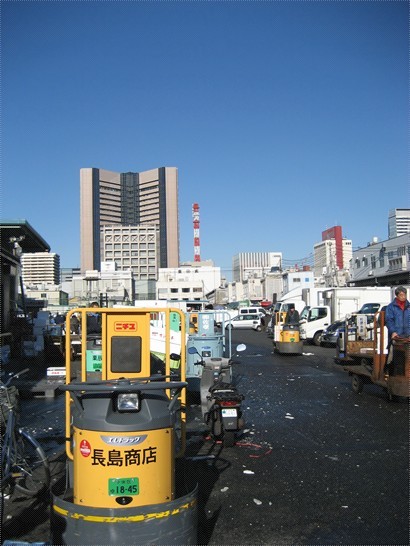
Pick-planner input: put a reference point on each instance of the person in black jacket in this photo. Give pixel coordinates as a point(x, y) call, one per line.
point(93, 321)
point(292, 316)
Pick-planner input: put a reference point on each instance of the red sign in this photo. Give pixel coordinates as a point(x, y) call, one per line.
point(125, 326)
point(85, 448)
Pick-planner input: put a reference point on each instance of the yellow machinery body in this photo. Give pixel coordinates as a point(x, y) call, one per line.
point(289, 336)
point(125, 428)
point(286, 337)
point(135, 469)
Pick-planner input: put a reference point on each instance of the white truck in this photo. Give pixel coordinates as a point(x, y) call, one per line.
point(337, 303)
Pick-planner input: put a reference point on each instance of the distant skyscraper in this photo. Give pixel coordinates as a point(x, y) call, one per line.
point(399, 222)
point(335, 233)
point(149, 198)
point(333, 253)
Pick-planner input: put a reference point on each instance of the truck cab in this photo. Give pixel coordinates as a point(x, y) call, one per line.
point(313, 321)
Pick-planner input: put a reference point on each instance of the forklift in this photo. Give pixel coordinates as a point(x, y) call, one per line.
point(286, 337)
point(365, 356)
point(125, 430)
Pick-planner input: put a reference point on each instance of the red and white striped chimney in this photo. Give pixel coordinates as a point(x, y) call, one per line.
point(195, 216)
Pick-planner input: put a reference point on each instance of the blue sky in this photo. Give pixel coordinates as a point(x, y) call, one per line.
point(284, 118)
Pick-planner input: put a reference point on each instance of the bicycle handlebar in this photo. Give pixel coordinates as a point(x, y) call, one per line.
point(14, 376)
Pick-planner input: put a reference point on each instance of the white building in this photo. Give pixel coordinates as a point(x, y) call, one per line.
point(187, 282)
point(254, 265)
point(272, 286)
point(235, 292)
point(398, 223)
point(297, 279)
point(325, 261)
point(40, 268)
point(105, 287)
point(50, 294)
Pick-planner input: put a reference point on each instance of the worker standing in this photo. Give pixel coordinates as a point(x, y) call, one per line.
point(397, 316)
point(397, 320)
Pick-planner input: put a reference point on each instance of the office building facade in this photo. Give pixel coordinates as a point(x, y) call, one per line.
point(332, 257)
point(148, 198)
point(256, 265)
point(134, 248)
point(398, 223)
point(327, 265)
point(40, 268)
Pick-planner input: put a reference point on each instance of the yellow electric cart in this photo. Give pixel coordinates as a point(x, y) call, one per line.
point(125, 428)
point(286, 337)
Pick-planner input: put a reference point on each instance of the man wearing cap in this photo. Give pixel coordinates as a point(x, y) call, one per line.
point(292, 316)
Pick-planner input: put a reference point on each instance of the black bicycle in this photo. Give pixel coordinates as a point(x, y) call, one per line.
point(24, 464)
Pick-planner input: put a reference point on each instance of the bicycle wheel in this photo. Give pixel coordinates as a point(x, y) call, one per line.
point(31, 469)
point(7, 454)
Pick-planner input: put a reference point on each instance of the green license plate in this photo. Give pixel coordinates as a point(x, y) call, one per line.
point(123, 486)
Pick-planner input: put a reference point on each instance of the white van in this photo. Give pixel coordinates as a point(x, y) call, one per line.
point(252, 311)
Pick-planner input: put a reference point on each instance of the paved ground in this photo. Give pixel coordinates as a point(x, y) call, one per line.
point(317, 463)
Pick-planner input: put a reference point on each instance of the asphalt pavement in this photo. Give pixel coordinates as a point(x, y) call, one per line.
point(316, 463)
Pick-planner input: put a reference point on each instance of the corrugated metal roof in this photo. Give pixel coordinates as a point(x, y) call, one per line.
point(31, 240)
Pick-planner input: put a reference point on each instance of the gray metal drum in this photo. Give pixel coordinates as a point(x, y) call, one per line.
point(174, 522)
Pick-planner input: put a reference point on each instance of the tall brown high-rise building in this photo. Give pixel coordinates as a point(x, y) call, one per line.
point(128, 199)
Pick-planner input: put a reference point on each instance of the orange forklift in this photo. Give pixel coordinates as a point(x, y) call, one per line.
point(366, 359)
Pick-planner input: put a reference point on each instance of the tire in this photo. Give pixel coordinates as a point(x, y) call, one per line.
point(31, 464)
point(392, 397)
point(316, 339)
point(259, 329)
point(357, 383)
point(228, 439)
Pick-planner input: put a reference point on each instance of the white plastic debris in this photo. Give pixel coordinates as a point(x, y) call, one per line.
point(257, 501)
point(248, 472)
point(224, 489)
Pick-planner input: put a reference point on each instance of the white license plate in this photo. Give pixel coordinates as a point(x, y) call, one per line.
point(229, 412)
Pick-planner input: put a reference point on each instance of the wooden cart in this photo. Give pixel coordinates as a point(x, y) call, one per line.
point(366, 361)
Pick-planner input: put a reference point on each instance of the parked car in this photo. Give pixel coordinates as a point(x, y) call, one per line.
point(332, 333)
point(245, 321)
point(252, 311)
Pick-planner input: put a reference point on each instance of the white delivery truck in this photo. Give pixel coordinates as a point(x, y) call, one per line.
point(337, 303)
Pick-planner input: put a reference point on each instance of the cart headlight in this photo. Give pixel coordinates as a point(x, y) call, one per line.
point(128, 401)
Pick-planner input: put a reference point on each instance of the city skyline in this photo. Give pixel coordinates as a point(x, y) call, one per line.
point(290, 120)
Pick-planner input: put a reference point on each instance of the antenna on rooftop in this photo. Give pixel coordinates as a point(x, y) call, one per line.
point(195, 217)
